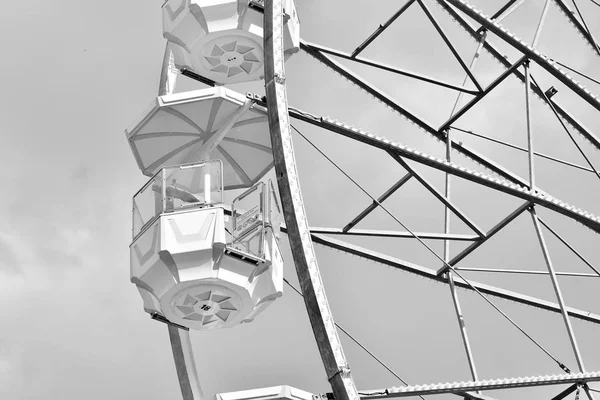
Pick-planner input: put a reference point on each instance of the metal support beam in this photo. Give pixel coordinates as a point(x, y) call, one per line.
point(568, 133)
point(498, 15)
point(394, 234)
point(381, 28)
point(199, 78)
point(526, 272)
point(530, 155)
point(168, 72)
point(375, 204)
point(581, 28)
point(482, 40)
point(474, 396)
point(566, 392)
point(439, 29)
point(185, 364)
point(538, 30)
point(543, 199)
point(462, 326)
point(488, 236)
point(486, 91)
point(491, 384)
point(588, 392)
point(559, 296)
point(385, 99)
point(498, 56)
point(459, 315)
point(577, 72)
point(512, 146)
point(431, 274)
point(438, 195)
point(317, 306)
point(388, 68)
point(582, 258)
point(529, 52)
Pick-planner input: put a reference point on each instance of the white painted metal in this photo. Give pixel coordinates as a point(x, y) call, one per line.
point(186, 265)
point(212, 123)
point(222, 40)
point(185, 364)
point(270, 393)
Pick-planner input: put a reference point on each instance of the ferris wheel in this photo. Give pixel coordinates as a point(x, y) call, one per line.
point(451, 116)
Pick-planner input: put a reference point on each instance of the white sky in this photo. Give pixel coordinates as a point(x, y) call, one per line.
point(77, 73)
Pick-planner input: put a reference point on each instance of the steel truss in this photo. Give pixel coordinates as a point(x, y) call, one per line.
point(501, 179)
point(317, 306)
point(508, 182)
point(492, 384)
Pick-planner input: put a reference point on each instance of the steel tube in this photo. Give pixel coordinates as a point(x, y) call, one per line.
point(512, 146)
point(431, 274)
point(438, 195)
point(525, 272)
point(375, 204)
point(495, 229)
point(557, 290)
point(491, 384)
point(538, 30)
point(394, 234)
point(530, 53)
point(385, 99)
point(185, 364)
point(498, 56)
point(463, 328)
point(486, 91)
point(569, 246)
point(387, 68)
point(592, 221)
point(581, 28)
point(439, 29)
point(530, 155)
point(315, 299)
point(381, 28)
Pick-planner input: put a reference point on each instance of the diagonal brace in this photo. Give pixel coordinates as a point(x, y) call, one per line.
point(375, 204)
point(439, 29)
point(486, 91)
point(488, 236)
point(438, 195)
point(381, 28)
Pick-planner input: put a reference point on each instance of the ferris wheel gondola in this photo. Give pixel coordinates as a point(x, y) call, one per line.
point(201, 263)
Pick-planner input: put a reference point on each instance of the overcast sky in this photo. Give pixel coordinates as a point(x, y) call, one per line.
point(75, 74)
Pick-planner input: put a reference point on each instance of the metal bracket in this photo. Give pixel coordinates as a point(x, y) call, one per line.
point(160, 318)
point(197, 77)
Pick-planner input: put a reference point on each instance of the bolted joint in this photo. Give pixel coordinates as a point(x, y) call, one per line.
point(280, 79)
point(343, 371)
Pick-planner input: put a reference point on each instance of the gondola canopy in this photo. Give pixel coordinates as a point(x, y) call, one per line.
point(207, 124)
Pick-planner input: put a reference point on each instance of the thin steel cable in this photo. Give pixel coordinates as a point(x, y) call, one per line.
point(577, 72)
point(569, 246)
point(512, 146)
point(450, 267)
point(565, 127)
point(596, 47)
point(356, 341)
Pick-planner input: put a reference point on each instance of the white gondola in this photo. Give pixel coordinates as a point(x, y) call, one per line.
point(223, 39)
point(197, 261)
